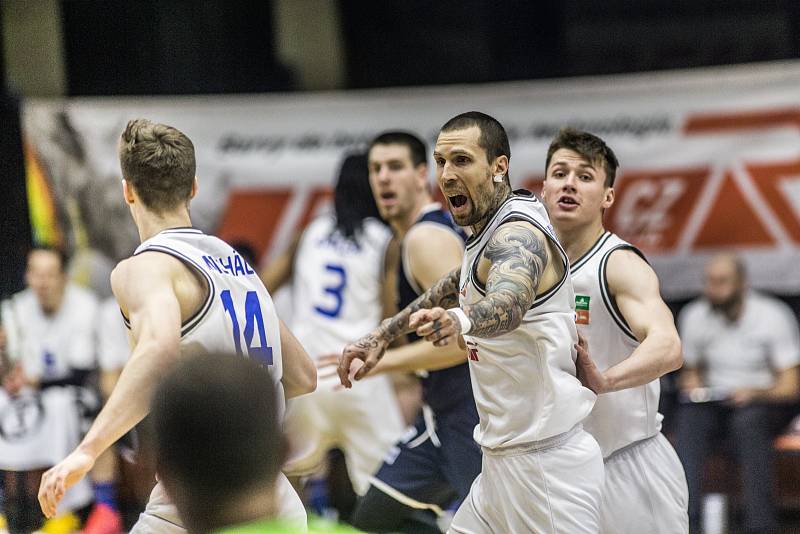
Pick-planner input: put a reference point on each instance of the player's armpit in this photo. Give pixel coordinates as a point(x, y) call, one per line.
point(517, 256)
point(634, 286)
point(144, 288)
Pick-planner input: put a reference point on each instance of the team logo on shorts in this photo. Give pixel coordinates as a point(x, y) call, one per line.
point(581, 309)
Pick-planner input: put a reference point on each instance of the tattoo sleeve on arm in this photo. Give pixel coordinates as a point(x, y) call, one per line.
point(518, 258)
point(443, 293)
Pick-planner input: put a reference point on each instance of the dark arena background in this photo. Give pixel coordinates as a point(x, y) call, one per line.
point(699, 99)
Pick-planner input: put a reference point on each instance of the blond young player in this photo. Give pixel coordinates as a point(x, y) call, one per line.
point(182, 293)
point(631, 338)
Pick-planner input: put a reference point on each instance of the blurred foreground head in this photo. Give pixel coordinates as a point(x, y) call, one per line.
point(219, 442)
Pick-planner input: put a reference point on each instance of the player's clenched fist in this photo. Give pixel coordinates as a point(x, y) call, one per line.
point(61, 477)
point(436, 325)
point(368, 349)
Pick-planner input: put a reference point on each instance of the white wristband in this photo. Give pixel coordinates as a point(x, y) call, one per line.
point(463, 320)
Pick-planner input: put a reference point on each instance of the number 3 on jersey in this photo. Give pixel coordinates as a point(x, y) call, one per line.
point(334, 290)
point(253, 319)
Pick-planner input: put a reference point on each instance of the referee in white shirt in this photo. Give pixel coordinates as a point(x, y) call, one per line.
point(741, 352)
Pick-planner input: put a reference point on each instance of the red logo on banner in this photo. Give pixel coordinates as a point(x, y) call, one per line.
point(779, 184)
point(731, 205)
point(651, 208)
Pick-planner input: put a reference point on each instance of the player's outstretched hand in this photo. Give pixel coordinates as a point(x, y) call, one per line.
point(588, 373)
point(436, 325)
point(61, 477)
point(368, 349)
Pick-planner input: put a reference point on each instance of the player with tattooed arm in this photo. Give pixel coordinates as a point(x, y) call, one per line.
point(512, 302)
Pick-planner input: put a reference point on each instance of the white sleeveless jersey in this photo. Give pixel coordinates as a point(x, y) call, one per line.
point(336, 285)
point(238, 316)
point(621, 417)
point(50, 346)
point(524, 381)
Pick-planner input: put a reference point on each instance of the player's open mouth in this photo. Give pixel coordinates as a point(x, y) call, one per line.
point(457, 200)
point(567, 203)
point(388, 197)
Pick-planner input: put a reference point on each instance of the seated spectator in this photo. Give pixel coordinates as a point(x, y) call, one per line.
point(44, 404)
point(741, 352)
point(219, 444)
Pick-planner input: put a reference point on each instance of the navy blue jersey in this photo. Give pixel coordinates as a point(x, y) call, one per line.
point(445, 389)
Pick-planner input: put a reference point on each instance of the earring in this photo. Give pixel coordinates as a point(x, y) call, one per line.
point(498, 178)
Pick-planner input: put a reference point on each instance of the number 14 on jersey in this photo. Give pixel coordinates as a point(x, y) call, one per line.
point(253, 321)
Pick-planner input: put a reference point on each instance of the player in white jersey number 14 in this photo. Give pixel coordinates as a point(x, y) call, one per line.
point(182, 293)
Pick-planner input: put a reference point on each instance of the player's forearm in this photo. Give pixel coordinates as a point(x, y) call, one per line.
point(299, 375)
point(129, 402)
point(443, 293)
point(496, 314)
point(657, 355)
point(299, 372)
point(420, 355)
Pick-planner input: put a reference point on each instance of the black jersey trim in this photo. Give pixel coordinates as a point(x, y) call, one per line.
point(191, 323)
point(608, 299)
point(519, 194)
point(584, 259)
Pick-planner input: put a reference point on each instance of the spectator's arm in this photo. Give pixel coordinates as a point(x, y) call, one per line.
point(786, 388)
point(690, 325)
point(689, 379)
